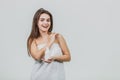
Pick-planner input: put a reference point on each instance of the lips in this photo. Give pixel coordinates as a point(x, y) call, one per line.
point(45, 26)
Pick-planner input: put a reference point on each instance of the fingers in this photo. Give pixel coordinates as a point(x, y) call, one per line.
point(53, 34)
point(47, 61)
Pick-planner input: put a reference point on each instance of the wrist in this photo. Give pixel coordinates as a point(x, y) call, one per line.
point(54, 58)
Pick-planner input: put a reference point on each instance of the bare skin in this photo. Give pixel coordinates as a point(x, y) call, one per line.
point(48, 38)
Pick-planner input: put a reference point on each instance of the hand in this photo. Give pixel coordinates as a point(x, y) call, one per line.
point(48, 60)
point(52, 58)
point(52, 38)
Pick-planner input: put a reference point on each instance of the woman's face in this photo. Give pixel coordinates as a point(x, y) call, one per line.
point(44, 22)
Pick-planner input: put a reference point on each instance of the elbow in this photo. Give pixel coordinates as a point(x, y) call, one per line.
point(68, 59)
point(36, 57)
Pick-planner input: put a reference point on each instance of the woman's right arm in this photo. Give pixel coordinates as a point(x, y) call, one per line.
point(38, 54)
point(35, 53)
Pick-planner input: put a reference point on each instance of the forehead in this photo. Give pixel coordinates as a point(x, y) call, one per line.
point(44, 15)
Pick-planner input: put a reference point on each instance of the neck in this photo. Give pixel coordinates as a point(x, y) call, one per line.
point(44, 34)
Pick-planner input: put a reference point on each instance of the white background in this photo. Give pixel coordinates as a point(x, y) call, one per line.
point(91, 29)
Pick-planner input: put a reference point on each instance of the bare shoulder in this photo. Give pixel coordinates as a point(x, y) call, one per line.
point(34, 42)
point(60, 37)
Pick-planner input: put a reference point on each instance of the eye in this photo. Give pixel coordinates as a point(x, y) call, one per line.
point(48, 20)
point(42, 19)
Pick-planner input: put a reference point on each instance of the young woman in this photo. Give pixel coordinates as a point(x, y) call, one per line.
point(48, 49)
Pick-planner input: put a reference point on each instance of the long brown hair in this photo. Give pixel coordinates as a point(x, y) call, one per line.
point(35, 30)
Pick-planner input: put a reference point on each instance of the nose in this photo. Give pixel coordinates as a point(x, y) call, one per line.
point(45, 23)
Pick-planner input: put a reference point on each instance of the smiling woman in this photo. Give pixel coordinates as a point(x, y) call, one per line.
point(44, 22)
point(49, 50)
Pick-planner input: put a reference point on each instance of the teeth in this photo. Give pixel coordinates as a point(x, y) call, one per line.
point(45, 26)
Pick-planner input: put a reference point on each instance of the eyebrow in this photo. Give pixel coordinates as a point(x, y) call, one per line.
point(44, 18)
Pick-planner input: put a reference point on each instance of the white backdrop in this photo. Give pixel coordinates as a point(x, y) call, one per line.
point(90, 27)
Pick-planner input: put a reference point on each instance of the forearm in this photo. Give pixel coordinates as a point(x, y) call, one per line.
point(62, 58)
point(40, 53)
point(43, 51)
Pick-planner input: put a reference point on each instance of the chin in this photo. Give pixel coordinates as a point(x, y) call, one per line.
point(45, 30)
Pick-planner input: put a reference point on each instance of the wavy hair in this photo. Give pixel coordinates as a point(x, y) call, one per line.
point(35, 30)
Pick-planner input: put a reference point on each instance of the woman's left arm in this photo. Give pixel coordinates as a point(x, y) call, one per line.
point(66, 53)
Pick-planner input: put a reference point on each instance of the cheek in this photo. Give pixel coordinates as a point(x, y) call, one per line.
point(50, 23)
point(39, 24)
